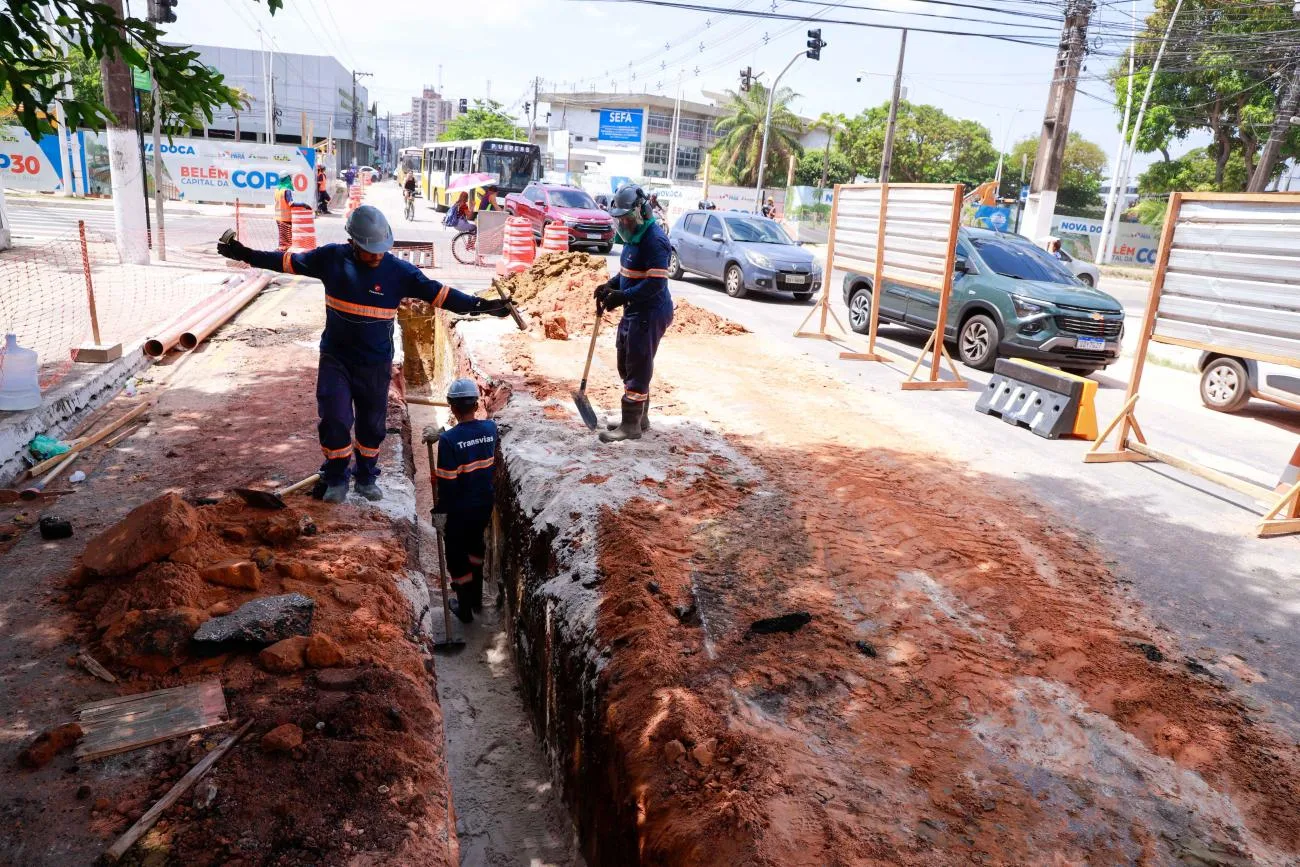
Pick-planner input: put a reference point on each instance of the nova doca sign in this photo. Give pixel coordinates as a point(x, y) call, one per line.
point(204, 170)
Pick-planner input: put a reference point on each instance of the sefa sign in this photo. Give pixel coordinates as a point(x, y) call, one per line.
point(620, 124)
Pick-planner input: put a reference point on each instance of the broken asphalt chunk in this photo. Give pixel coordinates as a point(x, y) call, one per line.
point(262, 621)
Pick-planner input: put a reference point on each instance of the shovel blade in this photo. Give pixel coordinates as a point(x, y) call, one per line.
point(584, 409)
point(260, 499)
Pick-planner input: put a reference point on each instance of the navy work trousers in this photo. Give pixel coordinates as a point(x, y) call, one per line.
point(465, 550)
point(639, 333)
point(349, 394)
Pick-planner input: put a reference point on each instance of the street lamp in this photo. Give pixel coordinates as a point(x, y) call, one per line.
point(1006, 136)
point(814, 52)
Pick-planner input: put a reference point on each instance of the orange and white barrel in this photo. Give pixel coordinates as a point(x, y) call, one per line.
point(1291, 474)
point(555, 238)
point(518, 249)
point(304, 230)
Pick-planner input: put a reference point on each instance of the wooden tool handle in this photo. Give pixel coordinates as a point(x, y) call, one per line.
point(298, 486)
point(31, 492)
point(90, 440)
point(591, 350)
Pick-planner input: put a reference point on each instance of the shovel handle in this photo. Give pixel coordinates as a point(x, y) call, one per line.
point(298, 486)
point(591, 350)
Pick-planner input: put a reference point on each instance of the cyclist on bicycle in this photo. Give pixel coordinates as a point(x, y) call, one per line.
point(408, 195)
point(459, 219)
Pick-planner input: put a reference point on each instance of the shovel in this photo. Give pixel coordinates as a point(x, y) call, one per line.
point(273, 499)
point(34, 491)
point(449, 643)
point(580, 396)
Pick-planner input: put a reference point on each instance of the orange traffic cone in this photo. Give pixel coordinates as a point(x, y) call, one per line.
point(518, 248)
point(555, 238)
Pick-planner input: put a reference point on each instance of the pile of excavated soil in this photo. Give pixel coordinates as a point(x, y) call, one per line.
point(367, 780)
point(969, 685)
point(557, 291)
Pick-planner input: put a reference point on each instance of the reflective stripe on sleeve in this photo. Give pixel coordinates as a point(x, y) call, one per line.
point(286, 263)
point(441, 296)
point(639, 275)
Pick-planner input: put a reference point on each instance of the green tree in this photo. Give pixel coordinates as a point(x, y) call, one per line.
point(741, 136)
point(32, 65)
point(1081, 174)
point(930, 146)
point(1205, 85)
point(1195, 171)
point(484, 120)
point(812, 169)
point(832, 125)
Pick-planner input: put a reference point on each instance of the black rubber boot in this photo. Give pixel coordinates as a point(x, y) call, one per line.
point(630, 428)
point(476, 589)
point(463, 606)
point(611, 424)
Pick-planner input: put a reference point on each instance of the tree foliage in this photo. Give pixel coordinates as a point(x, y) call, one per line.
point(741, 136)
point(930, 146)
point(1195, 171)
point(484, 120)
point(808, 171)
point(1081, 174)
point(1219, 76)
point(32, 64)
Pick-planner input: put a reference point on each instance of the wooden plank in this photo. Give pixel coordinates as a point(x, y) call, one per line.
point(1241, 486)
point(138, 720)
point(1269, 198)
point(1207, 347)
point(183, 785)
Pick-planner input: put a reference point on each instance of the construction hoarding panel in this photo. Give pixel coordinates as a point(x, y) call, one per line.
point(31, 164)
point(919, 234)
point(210, 170)
point(1232, 278)
point(857, 222)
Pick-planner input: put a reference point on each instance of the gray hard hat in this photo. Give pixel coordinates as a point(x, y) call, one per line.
point(368, 227)
point(628, 198)
point(462, 389)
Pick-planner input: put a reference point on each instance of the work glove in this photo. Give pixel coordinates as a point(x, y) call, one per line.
point(233, 249)
point(603, 290)
point(615, 299)
point(439, 521)
point(491, 306)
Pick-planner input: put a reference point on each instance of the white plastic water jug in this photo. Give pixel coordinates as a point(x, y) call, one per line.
point(19, 386)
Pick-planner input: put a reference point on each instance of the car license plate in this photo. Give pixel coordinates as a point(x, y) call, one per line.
point(593, 236)
point(1093, 344)
point(796, 278)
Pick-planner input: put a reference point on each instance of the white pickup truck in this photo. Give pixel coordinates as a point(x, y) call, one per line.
point(1228, 383)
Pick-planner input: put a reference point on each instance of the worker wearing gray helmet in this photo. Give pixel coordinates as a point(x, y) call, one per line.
point(465, 468)
point(363, 286)
point(641, 287)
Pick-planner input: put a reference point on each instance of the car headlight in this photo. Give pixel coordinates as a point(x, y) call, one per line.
point(570, 223)
point(759, 260)
point(1026, 306)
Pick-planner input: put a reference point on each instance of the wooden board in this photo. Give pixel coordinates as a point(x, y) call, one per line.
point(117, 725)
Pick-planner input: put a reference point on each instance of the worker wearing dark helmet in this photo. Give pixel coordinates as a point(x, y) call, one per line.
point(363, 286)
point(641, 286)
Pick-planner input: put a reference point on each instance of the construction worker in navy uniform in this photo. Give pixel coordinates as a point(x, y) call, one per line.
point(641, 288)
point(363, 286)
point(465, 467)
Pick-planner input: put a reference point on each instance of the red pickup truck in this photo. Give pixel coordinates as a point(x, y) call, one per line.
point(588, 225)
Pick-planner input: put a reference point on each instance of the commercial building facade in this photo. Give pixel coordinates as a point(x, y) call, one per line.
point(312, 100)
point(430, 114)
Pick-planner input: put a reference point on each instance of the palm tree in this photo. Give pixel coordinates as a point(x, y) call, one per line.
point(243, 100)
point(832, 125)
point(742, 133)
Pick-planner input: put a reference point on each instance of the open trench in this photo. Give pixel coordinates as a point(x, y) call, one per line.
point(970, 688)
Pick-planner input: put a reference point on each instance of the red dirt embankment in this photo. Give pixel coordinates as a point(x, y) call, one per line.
point(971, 686)
point(557, 290)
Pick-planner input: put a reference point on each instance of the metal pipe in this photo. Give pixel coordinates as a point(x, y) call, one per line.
point(767, 124)
point(218, 317)
point(170, 334)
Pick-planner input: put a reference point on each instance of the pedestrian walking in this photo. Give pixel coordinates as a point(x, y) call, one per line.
point(465, 468)
point(641, 286)
point(322, 190)
point(364, 283)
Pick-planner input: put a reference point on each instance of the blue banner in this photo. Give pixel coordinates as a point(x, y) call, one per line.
point(620, 124)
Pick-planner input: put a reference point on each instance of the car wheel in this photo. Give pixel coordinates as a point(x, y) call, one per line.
point(977, 343)
point(860, 311)
point(734, 280)
point(1086, 280)
point(1080, 371)
point(1225, 385)
point(674, 267)
point(803, 297)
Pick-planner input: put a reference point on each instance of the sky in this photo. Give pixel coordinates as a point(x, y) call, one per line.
point(497, 48)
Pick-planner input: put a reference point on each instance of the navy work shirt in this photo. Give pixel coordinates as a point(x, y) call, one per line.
point(466, 461)
point(360, 301)
point(643, 268)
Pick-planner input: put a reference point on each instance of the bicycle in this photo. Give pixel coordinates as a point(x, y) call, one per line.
point(464, 248)
point(410, 207)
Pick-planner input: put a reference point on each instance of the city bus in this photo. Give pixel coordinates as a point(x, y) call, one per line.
point(409, 163)
point(515, 164)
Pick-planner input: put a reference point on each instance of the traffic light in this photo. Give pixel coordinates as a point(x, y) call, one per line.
point(746, 79)
point(527, 105)
point(464, 106)
point(815, 44)
point(161, 11)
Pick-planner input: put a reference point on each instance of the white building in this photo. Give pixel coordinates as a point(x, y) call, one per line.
point(430, 114)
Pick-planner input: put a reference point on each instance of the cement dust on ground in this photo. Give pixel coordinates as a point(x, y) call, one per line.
point(972, 686)
point(368, 782)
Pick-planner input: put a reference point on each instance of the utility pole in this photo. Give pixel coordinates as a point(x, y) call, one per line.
point(158, 166)
point(532, 118)
point(1113, 199)
point(1288, 104)
point(355, 76)
point(126, 177)
point(1050, 159)
point(887, 153)
point(1107, 251)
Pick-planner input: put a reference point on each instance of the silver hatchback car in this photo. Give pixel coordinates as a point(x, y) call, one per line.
point(744, 251)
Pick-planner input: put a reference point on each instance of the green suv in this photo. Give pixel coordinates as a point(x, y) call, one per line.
point(1010, 299)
